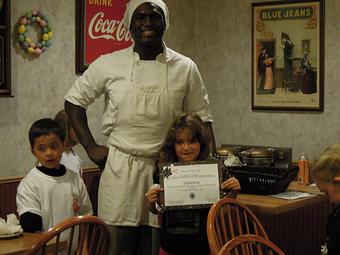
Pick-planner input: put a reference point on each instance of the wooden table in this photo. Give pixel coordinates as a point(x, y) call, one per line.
point(296, 226)
point(18, 245)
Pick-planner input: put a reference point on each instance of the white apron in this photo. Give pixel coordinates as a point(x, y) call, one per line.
point(143, 118)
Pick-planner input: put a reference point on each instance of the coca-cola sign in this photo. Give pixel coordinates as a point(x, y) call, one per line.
point(100, 30)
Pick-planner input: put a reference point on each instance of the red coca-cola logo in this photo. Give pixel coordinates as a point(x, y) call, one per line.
point(108, 29)
point(104, 31)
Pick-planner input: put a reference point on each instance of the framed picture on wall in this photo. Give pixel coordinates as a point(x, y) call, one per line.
point(288, 55)
point(5, 48)
point(99, 30)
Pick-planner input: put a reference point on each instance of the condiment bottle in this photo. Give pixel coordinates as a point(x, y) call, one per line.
point(303, 175)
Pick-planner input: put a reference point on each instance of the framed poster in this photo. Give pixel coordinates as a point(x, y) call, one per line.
point(288, 55)
point(99, 30)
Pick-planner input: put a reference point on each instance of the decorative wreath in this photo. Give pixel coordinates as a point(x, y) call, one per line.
point(46, 34)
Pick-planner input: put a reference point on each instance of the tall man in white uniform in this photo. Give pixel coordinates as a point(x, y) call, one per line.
point(145, 87)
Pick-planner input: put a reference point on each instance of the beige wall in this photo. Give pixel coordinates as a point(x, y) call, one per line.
point(219, 43)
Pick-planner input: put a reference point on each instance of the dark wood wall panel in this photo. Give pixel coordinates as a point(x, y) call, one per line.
point(8, 191)
point(299, 232)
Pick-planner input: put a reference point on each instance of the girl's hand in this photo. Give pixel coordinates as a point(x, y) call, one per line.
point(153, 195)
point(231, 184)
point(75, 205)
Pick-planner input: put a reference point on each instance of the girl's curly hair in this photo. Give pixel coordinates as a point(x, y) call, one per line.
point(199, 133)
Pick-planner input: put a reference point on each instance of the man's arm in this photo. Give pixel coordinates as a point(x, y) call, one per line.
point(212, 138)
point(78, 119)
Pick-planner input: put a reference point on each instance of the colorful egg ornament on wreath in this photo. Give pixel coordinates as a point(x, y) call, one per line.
point(46, 34)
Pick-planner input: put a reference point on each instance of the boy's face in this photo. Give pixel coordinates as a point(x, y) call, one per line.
point(332, 189)
point(187, 148)
point(48, 149)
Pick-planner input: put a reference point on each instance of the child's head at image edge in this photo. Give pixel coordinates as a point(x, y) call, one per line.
point(47, 142)
point(326, 170)
point(186, 140)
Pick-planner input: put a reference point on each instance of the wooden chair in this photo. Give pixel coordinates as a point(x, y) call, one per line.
point(250, 245)
point(229, 218)
point(81, 235)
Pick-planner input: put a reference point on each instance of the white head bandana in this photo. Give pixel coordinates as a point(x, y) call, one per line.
point(132, 5)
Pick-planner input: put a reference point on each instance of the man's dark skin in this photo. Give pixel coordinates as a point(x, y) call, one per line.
point(147, 29)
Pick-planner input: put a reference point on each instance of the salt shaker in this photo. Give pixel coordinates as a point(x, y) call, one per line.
point(303, 175)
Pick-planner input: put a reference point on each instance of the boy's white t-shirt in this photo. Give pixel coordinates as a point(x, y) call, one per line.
point(72, 161)
point(51, 197)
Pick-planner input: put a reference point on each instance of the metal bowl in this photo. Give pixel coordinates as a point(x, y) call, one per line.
point(224, 151)
point(259, 153)
point(258, 157)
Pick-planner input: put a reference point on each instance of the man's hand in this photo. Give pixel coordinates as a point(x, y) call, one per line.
point(98, 154)
point(78, 119)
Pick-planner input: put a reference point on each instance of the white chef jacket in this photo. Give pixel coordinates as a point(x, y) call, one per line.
point(151, 93)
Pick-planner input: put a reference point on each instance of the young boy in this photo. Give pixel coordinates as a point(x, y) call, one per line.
point(327, 176)
point(49, 193)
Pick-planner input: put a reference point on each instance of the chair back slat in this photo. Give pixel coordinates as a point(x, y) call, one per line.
point(43, 249)
point(70, 242)
point(239, 220)
point(245, 223)
point(57, 243)
point(83, 234)
point(221, 222)
point(229, 222)
point(93, 239)
point(218, 235)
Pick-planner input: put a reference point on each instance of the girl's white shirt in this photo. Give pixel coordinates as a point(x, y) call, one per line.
point(72, 161)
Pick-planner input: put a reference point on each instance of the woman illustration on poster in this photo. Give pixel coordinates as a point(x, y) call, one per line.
point(269, 75)
point(261, 67)
point(265, 67)
point(287, 46)
point(309, 79)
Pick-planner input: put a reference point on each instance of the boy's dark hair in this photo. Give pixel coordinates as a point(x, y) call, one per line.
point(199, 132)
point(44, 127)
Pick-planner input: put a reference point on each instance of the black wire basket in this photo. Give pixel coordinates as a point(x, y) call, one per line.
point(264, 180)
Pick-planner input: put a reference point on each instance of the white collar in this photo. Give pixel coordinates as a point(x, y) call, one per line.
point(160, 57)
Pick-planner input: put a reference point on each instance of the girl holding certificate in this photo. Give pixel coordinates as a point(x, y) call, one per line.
point(183, 231)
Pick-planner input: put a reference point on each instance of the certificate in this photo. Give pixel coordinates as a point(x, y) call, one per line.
point(191, 185)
